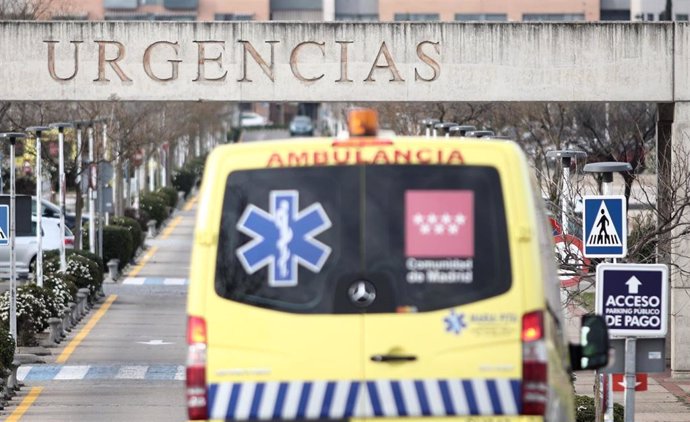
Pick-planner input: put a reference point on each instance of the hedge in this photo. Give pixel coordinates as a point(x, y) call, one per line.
point(154, 206)
point(86, 272)
point(7, 347)
point(585, 410)
point(118, 244)
point(141, 216)
point(55, 254)
point(183, 180)
point(134, 230)
point(170, 195)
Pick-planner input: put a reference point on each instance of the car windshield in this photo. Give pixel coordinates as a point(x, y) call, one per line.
point(302, 119)
point(434, 239)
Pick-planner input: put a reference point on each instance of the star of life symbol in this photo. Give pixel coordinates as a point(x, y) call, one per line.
point(455, 322)
point(439, 224)
point(284, 238)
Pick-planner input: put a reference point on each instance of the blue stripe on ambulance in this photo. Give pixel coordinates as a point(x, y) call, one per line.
point(303, 400)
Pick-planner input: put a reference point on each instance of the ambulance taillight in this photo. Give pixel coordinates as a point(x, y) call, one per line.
point(535, 386)
point(197, 399)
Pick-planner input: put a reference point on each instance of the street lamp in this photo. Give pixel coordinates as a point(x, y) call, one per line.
point(566, 156)
point(607, 168)
point(13, 137)
point(63, 187)
point(36, 131)
point(429, 124)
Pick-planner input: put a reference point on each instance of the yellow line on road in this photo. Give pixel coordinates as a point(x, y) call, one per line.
point(171, 227)
point(188, 206)
point(86, 330)
point(143, 262)
point(25, 404)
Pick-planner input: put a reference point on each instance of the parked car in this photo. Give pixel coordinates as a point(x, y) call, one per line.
point(251, 119)
point(26, 247)
point(301, 126)
point(51, 210)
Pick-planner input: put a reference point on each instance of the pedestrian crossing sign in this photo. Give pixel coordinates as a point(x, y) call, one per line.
point(4, 225)
point(605, 232)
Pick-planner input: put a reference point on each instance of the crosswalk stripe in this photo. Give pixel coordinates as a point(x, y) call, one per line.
point(156, 372)
point(133, 372)
point(155, 281)
point(71, 372)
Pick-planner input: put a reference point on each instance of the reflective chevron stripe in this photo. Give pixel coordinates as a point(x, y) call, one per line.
point(344, 399)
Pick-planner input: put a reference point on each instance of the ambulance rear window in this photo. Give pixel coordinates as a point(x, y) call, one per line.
point(321, 239)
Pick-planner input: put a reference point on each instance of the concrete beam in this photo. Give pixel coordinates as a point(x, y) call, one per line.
point(273, 61)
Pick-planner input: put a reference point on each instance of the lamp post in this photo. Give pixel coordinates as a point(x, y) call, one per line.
point(566, 156)
point(63, 187)
point(428, 124)
point(13, 137)
point(36, 131)
point(607, 168)
point(92, 199)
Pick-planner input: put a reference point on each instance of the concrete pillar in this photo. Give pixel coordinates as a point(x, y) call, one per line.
point(664, 199)
point(680, 247)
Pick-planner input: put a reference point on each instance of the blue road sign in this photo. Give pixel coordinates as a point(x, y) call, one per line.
point(633, 299)
point(4, 225)
point(605, 231)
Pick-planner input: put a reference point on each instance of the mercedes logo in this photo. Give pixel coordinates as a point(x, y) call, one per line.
point(362, 293)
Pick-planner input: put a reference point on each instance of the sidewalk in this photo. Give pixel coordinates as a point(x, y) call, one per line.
point(666, 400)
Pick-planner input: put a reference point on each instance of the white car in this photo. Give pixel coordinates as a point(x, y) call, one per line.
point(251, 119)
point(26, 247)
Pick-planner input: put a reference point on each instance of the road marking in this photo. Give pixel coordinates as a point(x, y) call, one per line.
point(188, 206)
point(132, 372)
point(72, 372)
point(168, 230)
point(24, 405)
point(155, 281)
point(86, 330)
point(52, 372)
point(137, 268)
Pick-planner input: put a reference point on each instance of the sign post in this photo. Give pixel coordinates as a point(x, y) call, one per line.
point(633, 300)
point(13, 137)
point(37, 131)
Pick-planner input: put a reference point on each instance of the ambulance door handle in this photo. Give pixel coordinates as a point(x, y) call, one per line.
point(393, 358)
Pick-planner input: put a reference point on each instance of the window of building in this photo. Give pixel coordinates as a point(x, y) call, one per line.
point(615, 15)
point(128, 16)
point(681, 16)
point(234, 17)
point(553, 17)
point(481, 17)
point(120, 4)
point(82, 17)
point(416, 17)
point(180, 4)
point(357, 17)
point(172, 17)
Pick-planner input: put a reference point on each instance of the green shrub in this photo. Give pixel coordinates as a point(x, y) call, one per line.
point(141, 216)
point(183, 180)
point(6, 348)
point(34, 306)
point(134, 229)
point(170, 195)
point(117, 244)
point(584, 406)
point(154, 206)
point(62, 286)
point(54, 254)
point(86, 272)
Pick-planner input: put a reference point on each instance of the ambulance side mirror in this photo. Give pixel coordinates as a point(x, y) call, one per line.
point(593, 350)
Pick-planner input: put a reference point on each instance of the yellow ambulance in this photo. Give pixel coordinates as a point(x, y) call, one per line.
point(368, 277)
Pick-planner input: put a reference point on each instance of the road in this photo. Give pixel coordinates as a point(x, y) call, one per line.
point(129, 366)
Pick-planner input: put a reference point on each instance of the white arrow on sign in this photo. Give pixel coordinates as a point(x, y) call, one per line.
point(633, 285)
point(622, 383)
point(154, 342)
